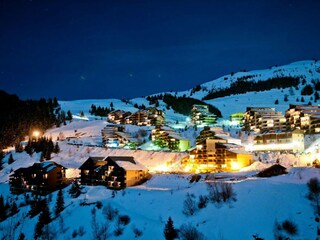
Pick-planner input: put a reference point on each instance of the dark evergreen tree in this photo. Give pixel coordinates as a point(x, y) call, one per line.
point(285, 98)
point(44, 219)
point(302, 99)
point(18, 147)
point(69, 116)
point(29, 148)
point(1, 160)
point(10, 160)
point(50, 145)
point(42, 157)
point(111, 106)
point(316, 96)
point(56, 148)
point(276, 102)
point(59, 203)
point(170, 232)
point(21, 236)
point(13, 209)
point(55, 102)
point(47, 155)
point(307, 90)
point(75, 190)
point(3, 215)
point(38, 230)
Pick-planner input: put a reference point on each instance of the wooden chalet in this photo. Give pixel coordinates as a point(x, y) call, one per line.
point(115, 172)
point(41, 178)
point(274, 170)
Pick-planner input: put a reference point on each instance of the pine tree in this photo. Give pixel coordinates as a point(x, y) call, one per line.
point(18, 147)
point(60, 203)
point(1, 164)
point(42, 157)
point(48, 155)
point(44, 219)
point(2, 209)
point(316, 96)
point(169, 232)
point(276, 102)
point(55, 102)
point(50, 145)
point(69, 116)
point(75, 190)
point(38, 230)
point(22, 236)
point(13, 209)
point(56, 148)
point(29, 149)
point(10, 160)
point(45, 214)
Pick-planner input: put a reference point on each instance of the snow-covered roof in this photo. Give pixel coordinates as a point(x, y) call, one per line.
point(131, 166)
point(239, 151)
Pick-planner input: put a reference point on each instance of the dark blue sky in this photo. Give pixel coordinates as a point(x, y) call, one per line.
point(76, 49)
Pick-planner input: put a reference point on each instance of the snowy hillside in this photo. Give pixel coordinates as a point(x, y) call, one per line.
point(307, 71)
point(260, 202)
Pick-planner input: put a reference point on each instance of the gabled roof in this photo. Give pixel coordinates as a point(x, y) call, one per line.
point(274, 167)
point(45, 167)
point(93, 162)
point(127, 163)
point(121, 158)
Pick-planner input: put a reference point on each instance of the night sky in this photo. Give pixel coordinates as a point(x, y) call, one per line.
point(83, 49)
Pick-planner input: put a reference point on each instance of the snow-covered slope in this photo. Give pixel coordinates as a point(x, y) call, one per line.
point(260, 202)
point(307, 71)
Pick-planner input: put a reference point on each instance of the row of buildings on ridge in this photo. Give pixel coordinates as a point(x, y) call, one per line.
point(274, 131)
point(143, 117)
point(266, 119)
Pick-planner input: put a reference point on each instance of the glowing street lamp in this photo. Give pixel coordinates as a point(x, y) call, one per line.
point(36, 134)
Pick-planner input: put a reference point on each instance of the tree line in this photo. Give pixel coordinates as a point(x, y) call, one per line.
point(182, 105)
point(19, 117)
point(242, 85)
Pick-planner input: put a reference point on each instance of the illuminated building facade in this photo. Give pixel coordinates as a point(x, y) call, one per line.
point(304, 117)
point(237, 118)
point(166, 137)
point(118, 116)
point(146, 117)
point(263, 119)
point(115, 172)
point(40, 178)
point(216, 154)
point(200, 115)
point(280, 141)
